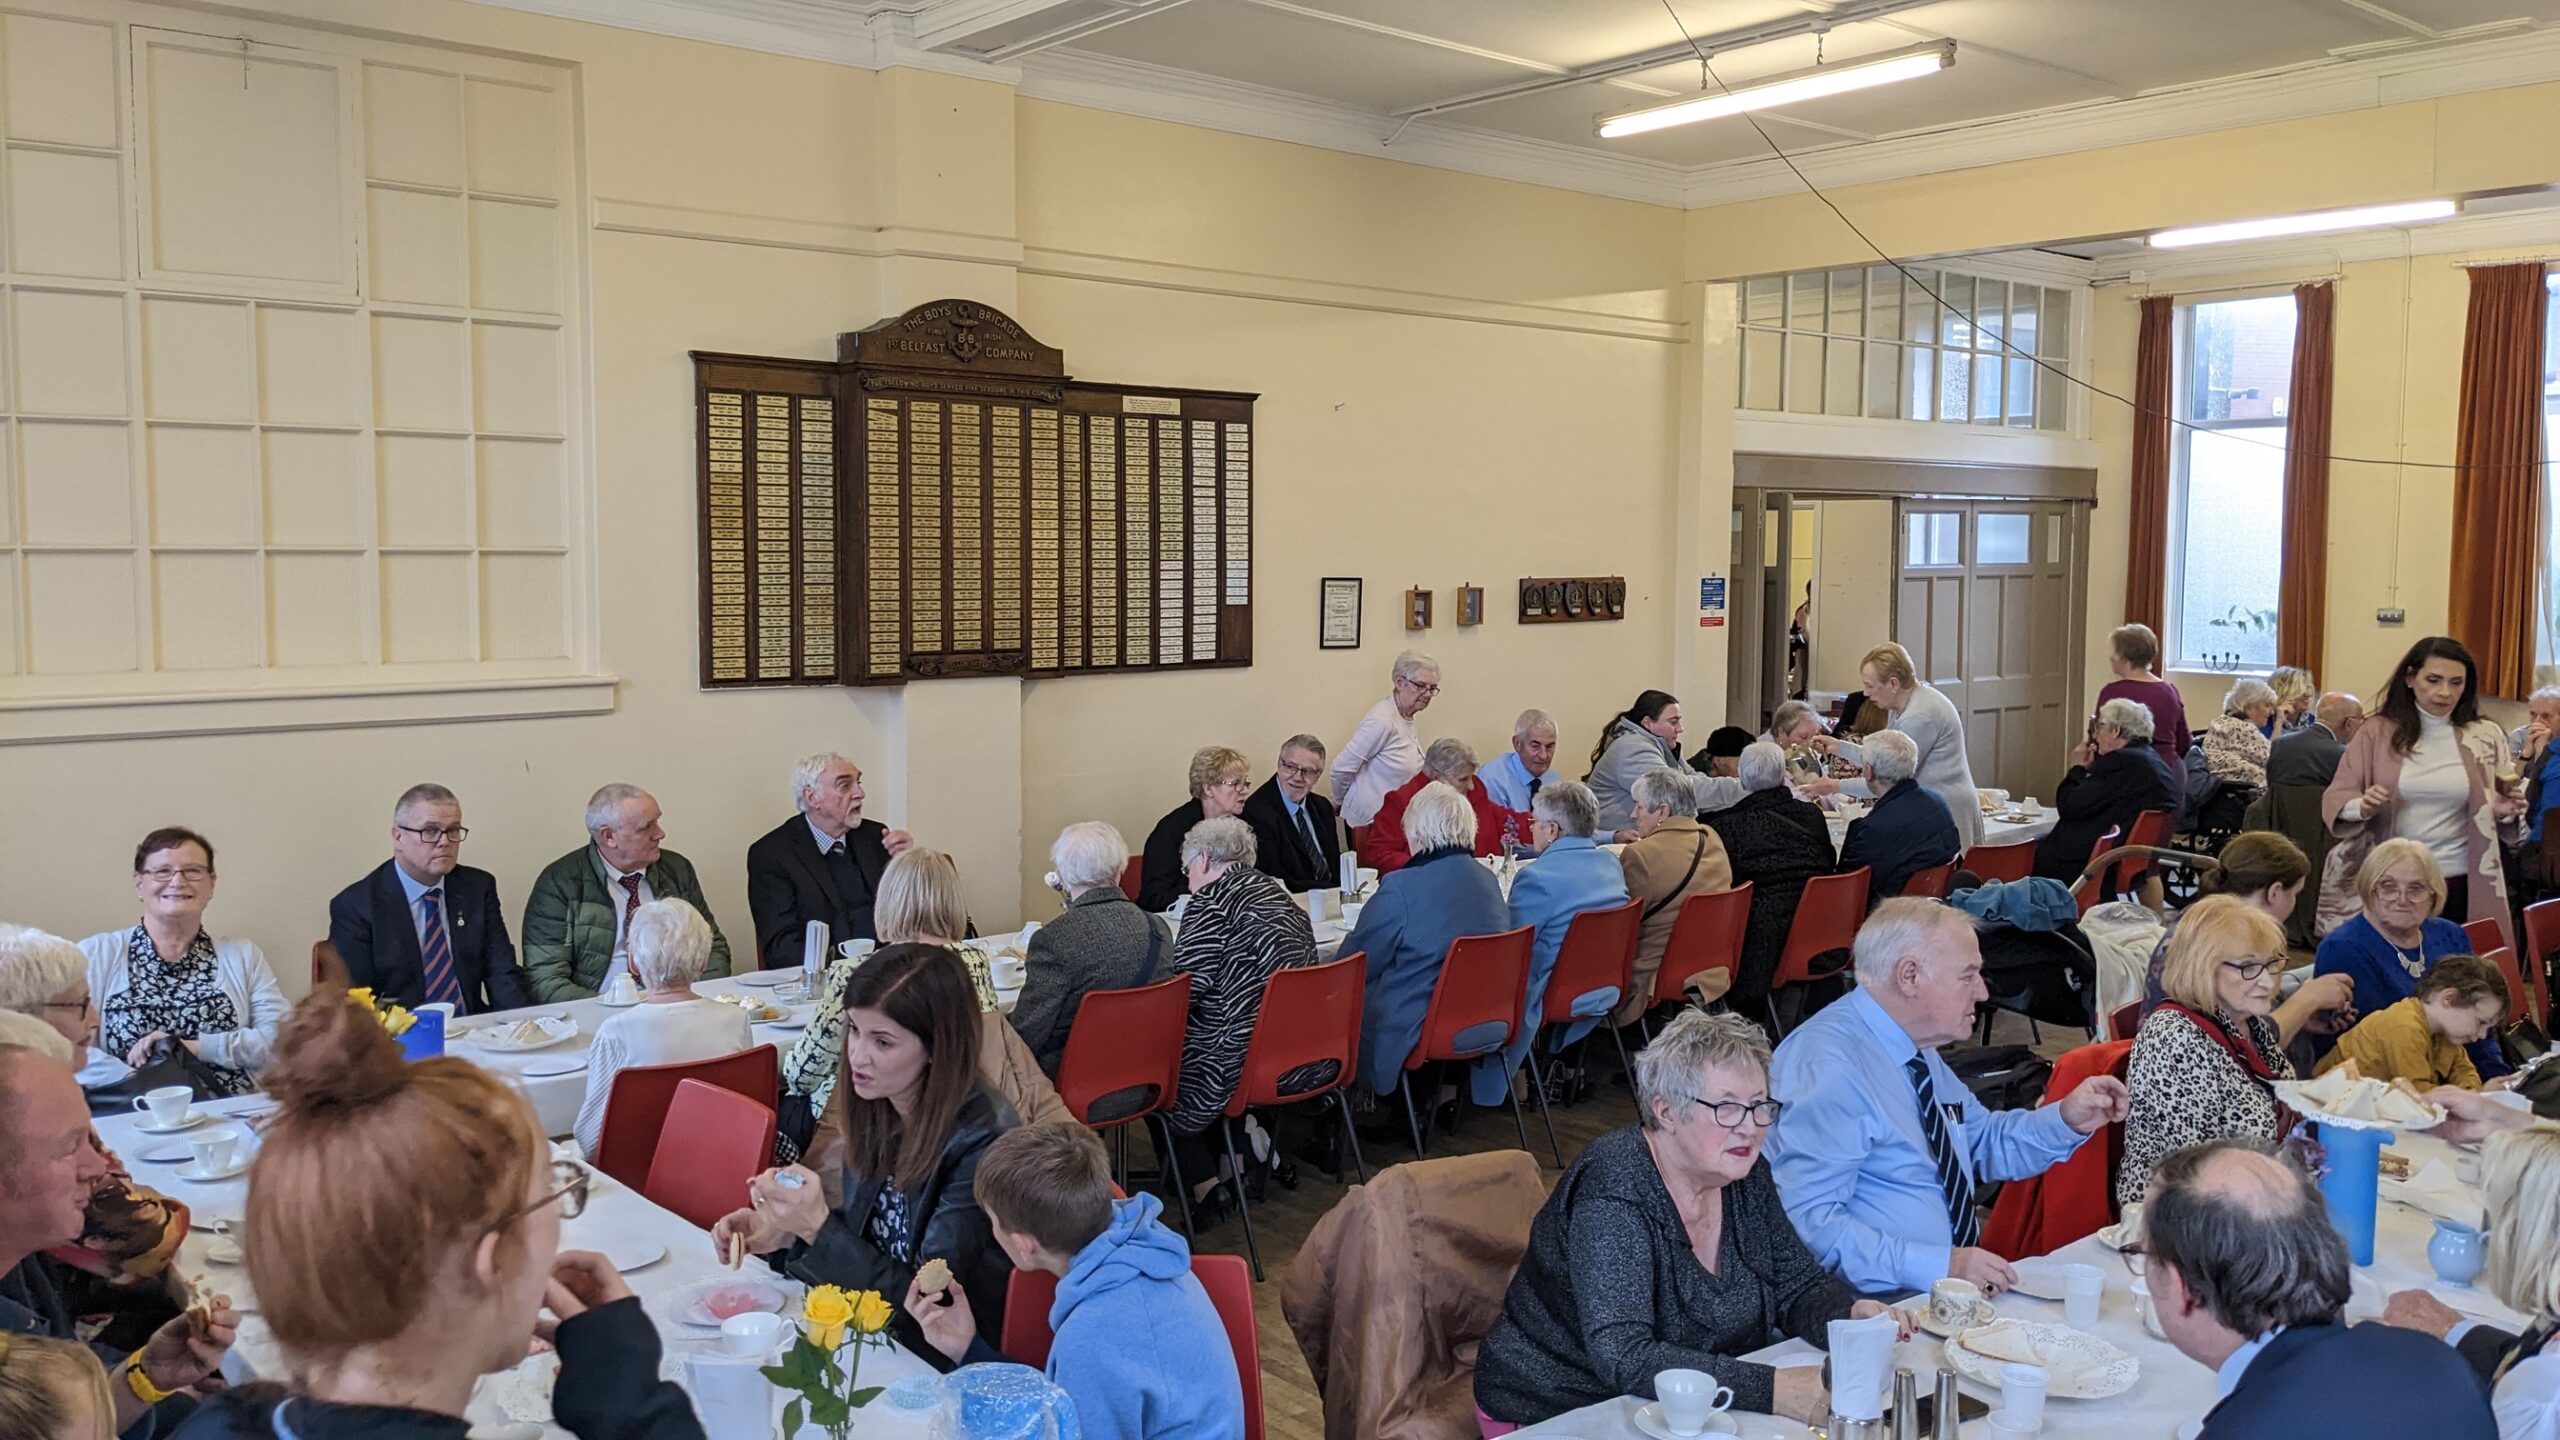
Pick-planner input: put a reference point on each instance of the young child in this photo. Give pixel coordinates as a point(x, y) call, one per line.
point(1139, 1347)
point(53, 1390)
point(2421, 1039)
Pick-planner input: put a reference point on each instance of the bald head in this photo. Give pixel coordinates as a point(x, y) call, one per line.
point(2249, 1237)
point(2339, 711)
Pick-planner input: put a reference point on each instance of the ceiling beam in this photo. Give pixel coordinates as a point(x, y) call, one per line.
point(2390, 18)
point(952, 24)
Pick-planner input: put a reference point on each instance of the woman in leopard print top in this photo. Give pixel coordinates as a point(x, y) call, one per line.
point(2205, 1063)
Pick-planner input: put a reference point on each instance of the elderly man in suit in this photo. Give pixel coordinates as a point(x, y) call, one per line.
point(2309, 756)
point(824, 863)
point(1295, 837)
point(424, 927)
point(2249, 1277)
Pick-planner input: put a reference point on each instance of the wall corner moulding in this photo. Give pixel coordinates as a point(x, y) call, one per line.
point(139, 717)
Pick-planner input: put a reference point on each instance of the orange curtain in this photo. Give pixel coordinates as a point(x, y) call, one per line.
point(2497, 480)
point(2147, 561)
point(2302, 596)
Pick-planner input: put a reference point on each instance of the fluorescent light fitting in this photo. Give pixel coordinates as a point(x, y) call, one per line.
point(1905, 64)
point(2316, 222)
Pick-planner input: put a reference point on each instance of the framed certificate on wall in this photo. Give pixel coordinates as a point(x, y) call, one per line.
point(1338, 613)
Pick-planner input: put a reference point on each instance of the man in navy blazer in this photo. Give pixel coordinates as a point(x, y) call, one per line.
point(824, 863)
point(2249, 1276)
point(1909, 829)
point(1294, 837)
point(424, 926)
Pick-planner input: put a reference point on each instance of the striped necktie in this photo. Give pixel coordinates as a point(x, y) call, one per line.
point(1953, 1182)
point(435, 952)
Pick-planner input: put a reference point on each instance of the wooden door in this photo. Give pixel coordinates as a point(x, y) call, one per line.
point(1988, 604)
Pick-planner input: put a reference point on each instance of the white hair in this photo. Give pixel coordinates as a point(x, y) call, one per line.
point(1893, 756)
point(1531, 721)
point(1223, 840)
point(1763, 766)
point(1664, 787)
point(1906, 925)
point(2131, 717)
point(605, 806)
point(2246, 692)
point(670, 943)
point(1447, 756)
point(26, 1032)
point(804, 777)
point(35, 966)
point(1789, 715)
point(1568, 805)
point(1412, 664)
point(2547, 692)
point(1087, 856)
point(1438, 817)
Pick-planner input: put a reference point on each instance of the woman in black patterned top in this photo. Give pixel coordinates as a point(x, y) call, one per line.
point(168, 981)
point(1664, 1246)
point(1240, 928)
point(2206, 1060)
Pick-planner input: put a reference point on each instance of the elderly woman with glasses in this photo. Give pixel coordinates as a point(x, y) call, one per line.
point(1221, 781)
point(403, 1237)
point(670, 943)
point(1664, 1246)
point(167, 981)
point(2397, 936)
point(2205, 1063)
point(1386, 750)
point(1452, 762)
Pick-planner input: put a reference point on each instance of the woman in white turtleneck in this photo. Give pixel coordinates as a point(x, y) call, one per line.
point(2428, 768)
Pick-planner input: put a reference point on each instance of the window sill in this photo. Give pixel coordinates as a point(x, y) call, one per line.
point(2245, 672)
point(240, 711)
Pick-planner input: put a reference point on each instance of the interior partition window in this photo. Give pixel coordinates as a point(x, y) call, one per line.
point(2226, 500)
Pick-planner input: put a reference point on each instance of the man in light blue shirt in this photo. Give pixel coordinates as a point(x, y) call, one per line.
point(1515, 778)
point(1882, 1146)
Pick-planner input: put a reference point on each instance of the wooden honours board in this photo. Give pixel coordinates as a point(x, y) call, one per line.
point(944, 500)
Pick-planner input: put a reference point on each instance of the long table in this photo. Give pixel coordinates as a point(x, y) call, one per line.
point(2173, 1392)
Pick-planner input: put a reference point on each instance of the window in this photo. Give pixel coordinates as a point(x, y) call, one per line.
point(2547, 603)
point(2234, 373)
point(291, 320)
point(1870, 342)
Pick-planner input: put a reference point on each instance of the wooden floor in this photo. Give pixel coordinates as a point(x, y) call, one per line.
point(1292, 1410)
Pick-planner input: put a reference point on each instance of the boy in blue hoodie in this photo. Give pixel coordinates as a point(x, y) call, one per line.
point(1138, 1347)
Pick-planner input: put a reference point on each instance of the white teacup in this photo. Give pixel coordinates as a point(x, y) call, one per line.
point(856, 949)
point(1689, 1398)
point(1007, 971)
point(168, 1104)
point(1954, 1303)
point(213, 1150)
point(757, 1333)
point(622, 989)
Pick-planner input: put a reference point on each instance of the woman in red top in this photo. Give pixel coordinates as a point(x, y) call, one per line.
point(2134, 650)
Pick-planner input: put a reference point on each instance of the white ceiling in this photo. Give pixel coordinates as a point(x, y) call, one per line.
point(1410, 78)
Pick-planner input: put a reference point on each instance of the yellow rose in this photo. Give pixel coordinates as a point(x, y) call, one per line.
point(397, 1020)
point(827, 1312)
point(362, 995)
point(870, 1312)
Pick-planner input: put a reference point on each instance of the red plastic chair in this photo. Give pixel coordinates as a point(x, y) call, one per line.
point(1027, 1335)
point(327, 968)
point(1483, 981)
point(2485, 935)
point(2541, 937)
point(1932, 883)
point(2150, 828)
point(635, 1113)
point(1705, 935)
point(1827, 918)
point(2504, 957)
point(1125, 1041)
point(2125, 1020)
point(2013, 861)
point(1598, 952)
point(714, 1142)
point(1133, 876)
point(1309, 1016)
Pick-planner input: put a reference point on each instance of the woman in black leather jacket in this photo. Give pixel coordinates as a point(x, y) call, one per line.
point(890, 1180)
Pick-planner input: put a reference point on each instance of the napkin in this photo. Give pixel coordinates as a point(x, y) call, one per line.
point(1861, 1365)
point(2357, 1102)
point(2441, 1193)
point(731, 1397)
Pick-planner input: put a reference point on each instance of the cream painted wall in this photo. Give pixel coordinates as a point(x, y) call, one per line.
point(1856, 586)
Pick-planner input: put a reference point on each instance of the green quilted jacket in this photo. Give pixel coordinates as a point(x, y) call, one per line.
point(567, 937)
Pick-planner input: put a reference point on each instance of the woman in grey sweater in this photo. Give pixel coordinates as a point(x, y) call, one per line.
point(1102, 942)
point(1665, 1246)
point(1926, 715)
point(1644, 736)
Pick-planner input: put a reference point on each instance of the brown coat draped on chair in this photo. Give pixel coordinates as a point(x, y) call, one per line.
point(1397, 1286)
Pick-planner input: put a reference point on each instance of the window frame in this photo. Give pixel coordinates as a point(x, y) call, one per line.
point(2182, 433)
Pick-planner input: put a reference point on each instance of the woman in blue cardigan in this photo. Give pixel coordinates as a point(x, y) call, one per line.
point(1405, 929)
point(2397, 937)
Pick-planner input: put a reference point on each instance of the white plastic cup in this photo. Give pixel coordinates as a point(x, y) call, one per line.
point(2084, 1287)
point(2022, 1395)
point(168, 1104)
point(755, 1333)
point(1689, 1398)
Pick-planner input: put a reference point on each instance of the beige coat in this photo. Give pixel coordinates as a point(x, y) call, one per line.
point(1654, 866)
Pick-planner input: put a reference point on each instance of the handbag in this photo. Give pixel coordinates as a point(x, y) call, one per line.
point(169, 1063)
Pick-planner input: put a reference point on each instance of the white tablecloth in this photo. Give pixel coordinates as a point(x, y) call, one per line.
point(2172, 1390)
point(615, 1218)
point(1995, 831)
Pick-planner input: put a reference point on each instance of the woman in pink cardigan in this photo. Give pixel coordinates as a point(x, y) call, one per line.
point(2427, 768)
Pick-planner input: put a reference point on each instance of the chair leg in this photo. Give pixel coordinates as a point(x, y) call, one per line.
point(1412, 1121)
point(1351, 1137)
point(1173, 1171)
point(1519, 1115)
point(1776, 1025)
point(1546, 1116)
point(1244, 1207)
point(1624, 1063)
point(2035, 1032)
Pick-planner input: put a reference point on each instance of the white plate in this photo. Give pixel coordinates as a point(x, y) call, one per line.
point(166, 1154)
point(144, 1123)
point(195, 1173)
point(765, 977)
point(1649, 1420)
point(2042, 1279)
point(558, 1065)
point(2079, 1365)
point(688, 1307)
point(556, 1028)
point(629, 1253)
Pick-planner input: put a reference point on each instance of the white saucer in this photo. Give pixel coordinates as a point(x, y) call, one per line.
point(1649, 1420)
point(166, 1154)
point(1983, 1314)
point(765, 977)
point(561, 1065)
point(191, 1171)
point(612, 1004)
point(223, 1252)
point(629, 1255)
point(194, 1119)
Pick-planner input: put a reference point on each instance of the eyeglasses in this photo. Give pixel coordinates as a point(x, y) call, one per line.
point(2252, 969)
point(572, 1178)
point(167, 873)
point(1235, 782)
point(437, 834)
point(1418, 687)
point(1730, 1113)
point(2394, 890)
point(1301, 772)
point(81, 1006)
